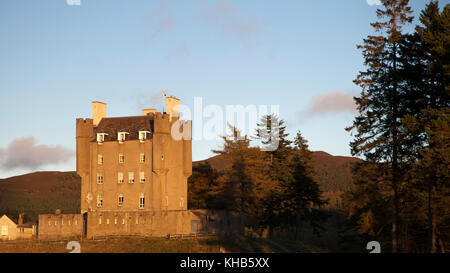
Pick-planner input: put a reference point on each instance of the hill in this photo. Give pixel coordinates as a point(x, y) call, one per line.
point(43, 192)
point(333, 173)
point(40, 192)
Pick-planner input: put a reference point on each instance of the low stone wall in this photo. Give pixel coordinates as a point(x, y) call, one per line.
point(56, 226)
point(162, 223)
point(136, 223)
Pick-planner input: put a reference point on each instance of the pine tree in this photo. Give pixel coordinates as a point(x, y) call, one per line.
point(429, 74)
point(241, 185)
point(304, 196)
point(271, 131)
point(382, 102)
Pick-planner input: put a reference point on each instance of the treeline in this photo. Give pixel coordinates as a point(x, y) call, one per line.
point(273, 188)
point(401, 195)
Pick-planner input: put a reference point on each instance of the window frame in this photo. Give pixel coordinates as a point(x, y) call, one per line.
point(141, 200)
point(100, 178)
point(99, 200)
point(131, 177)
point(121, 196)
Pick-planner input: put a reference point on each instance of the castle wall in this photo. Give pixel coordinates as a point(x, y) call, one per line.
point(56, 226)
point(162, 223)
point(139, 223)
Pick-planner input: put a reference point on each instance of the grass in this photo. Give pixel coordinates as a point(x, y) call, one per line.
point(145, 245)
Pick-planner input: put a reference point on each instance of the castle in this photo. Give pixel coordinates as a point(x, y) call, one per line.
point(134, 179)
point(132, 163)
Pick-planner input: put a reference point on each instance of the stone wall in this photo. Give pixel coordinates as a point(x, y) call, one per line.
point(162, 223)
point(56, 226)
point(139, 223)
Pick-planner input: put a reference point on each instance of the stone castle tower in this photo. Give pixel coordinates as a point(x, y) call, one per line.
point(132, 163)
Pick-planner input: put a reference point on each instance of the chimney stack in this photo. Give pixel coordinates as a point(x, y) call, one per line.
point(98, 112)
point(20, 219)
point(172, 107)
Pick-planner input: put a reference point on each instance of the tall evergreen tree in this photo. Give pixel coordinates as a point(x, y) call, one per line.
point(428, 73)
point(241, 185)
point(304, 197)
point(382, 103)
point(271, 131)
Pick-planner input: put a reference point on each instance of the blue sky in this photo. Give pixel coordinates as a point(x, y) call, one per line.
point(56, 58)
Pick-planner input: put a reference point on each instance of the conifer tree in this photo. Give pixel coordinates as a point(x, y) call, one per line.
point(304, 196)
point(382, 102)
point(429, 75)
point(271, 130)
point(241, 185)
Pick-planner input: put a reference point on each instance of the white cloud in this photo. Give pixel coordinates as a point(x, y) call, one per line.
point(23, 153)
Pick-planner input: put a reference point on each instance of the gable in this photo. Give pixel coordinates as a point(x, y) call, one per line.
point(5, 221)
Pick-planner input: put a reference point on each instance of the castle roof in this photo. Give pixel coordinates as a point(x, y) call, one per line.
point(131, 125)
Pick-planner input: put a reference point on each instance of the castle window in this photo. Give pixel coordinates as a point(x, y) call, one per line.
point(107, 221)
point(123, 221)
point(99, 221)
point(181, 202)
point(99, 178)
point(121, 136)
point(142, 177)
point(121, 199)
point(131, 177)
point(167, 200)
point(99, 201)
point(101, 137)
point(141, 200)
point(142, 157)
point(143, 136)
point(162, 157)
point(100, 159)
point(115, 221)
point(120, 178)
point(121, 158)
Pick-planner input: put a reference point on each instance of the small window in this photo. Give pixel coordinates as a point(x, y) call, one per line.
point(99, 178)
point(107, 221)
point(143, 136)
point(101, 137)
point(99, 201)
point(162, 157)
point(120, 178)
point(115, 221)
point(121, 199)
point(181, 202)
point(99, 221)
point(121, 136)
point(121, 158)
point(131, 177)
point(142, 158)
point(100, 159)
point(167, 200)
point(142, 177)
point(141, 200)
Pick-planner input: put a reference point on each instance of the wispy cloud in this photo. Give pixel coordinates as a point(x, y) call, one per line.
point(333, 102)
point(159, 20)
point(231, 21)
point(24, 153)
point(373, 2)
